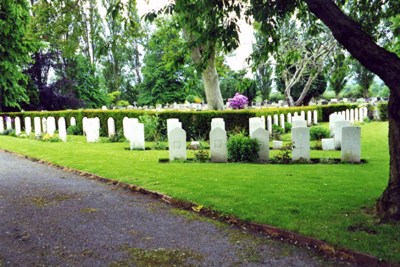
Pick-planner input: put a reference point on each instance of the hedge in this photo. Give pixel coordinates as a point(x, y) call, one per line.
point(197, 124)
point(383, 111)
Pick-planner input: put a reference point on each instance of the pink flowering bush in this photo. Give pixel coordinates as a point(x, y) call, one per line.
point(238, 101)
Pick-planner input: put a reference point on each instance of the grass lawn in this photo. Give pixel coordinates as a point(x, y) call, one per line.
point(328, 202)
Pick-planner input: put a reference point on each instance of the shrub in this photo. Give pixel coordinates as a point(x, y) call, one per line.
point(201, 155)
point(288, 127)
point(277, 132)
point(242, 148)
point(117, 137)
point(238, 101)
point(49, 138)
point(158, 145)
point(317, 133)
point(151, 124)
point(74, 130)
point(383, 111)
point(284, 155)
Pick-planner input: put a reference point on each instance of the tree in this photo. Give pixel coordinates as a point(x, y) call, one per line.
point(338, 72)
point(263, 80)
point(168, 73)
point(118, 46)
point(363, 77)
point(207, 27)
point(16, 45)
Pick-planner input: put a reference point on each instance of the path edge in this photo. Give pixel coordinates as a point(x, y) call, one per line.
point(273, 232)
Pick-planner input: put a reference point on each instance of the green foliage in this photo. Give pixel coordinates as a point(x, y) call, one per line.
point(318, 132)
point(122, 103)
point(242, 148)
point(288, 127)
point(74, 130)
point(16, 44)
point(201, 155)
point(117, 137)
point(383, 111)
point(338, 72)
point(151, 127)
point(263, 80)
point(168, 73)
point(363, 77)
point(48, 138)
point(159, 145)
point(277, 132)
point(284, 156)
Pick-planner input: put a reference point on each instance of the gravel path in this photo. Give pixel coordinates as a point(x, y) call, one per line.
point(49, 217)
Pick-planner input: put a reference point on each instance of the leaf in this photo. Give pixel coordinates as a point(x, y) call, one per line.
point(197, 208)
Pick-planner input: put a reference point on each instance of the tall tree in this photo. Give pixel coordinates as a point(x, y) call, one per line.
point(168, 75)
point(207, 27)
point(363, 77)
point(338, 72)
point(15, 49)
point(119, 49)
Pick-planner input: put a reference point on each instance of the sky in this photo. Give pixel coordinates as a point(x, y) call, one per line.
point(238, 59)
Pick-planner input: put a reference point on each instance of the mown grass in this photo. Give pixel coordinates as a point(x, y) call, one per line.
point(328, 202)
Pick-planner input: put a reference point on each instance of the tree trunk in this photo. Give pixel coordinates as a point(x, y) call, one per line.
point(211, 85)
point(303, 94)
point(209, 75)
point(387, 66)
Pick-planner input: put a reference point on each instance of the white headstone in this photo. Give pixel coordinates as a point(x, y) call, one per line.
point(269, 124)
point(344, 115)
point(177, 144)
point(17, 122)
point(38, 126)
point(356, 114)
point(328, 144)
point(28, 125)
point(301, 143)
point(72, 121)
point(276, 145)
point(8, 123)
point(51, 125)
point(298, 121)
point(128, 124)
point(296, 114)
point(262, 137)
point(361, 112)
point(309, 117)
point(351, 115)
point(289, 117)
point(347, 115)
point(303, 114)
point(215, 122)
point(62, 129)
point(84, 125)
point(365, 112)
point(334, 118)
point(254, 124)
point(351, 144)
point(92, 130)
point(111, 127)
point(218, 148)
point(44, 125)
point(1, 124)
point(173, 123)
point(137, 140)
point(337, 132)
point(315, 117)
point(276, 119)
point(282, 120)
